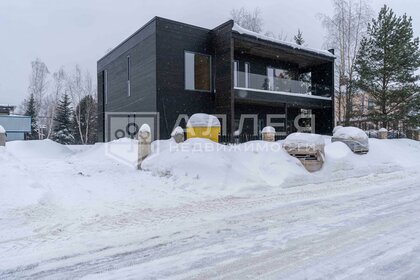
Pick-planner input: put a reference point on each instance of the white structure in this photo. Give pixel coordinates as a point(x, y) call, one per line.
point(178, 134)
point(268, 134)
point(2, 136)
point(144, 145)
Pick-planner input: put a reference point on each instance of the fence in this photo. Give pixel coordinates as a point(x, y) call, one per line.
point(393, 134)
point(242, 138)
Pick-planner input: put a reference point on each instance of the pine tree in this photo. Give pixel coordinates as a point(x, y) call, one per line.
point(30, 110)
point(62, 122)
point(387, 59)
point(299, 38)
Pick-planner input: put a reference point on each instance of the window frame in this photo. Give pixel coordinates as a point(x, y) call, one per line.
point(106, 86)
point(128, 76)
point(210, 72)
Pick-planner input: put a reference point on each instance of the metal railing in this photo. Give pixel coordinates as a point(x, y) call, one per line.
point(263, 82)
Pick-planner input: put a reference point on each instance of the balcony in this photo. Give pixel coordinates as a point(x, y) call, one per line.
point(264, 88)
point(250, 81)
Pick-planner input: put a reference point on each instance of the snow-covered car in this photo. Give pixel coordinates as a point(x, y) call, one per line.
point(355, 138)
point(308, 148)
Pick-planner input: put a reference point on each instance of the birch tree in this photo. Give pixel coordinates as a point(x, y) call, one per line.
point(51, 101)
point(345, 29)
point(38, 87)
point(80, 85)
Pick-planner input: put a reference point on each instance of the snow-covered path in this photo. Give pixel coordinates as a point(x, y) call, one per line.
point(365, 227)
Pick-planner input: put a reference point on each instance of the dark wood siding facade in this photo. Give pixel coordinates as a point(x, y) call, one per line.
point(141, 48)
point(157, 76)
point(173, 40)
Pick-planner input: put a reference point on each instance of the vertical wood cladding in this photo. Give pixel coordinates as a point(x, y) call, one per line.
point(172, 41)
point(223, 72)
point(141, 48)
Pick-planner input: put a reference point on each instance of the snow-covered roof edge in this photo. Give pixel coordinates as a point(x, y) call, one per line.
point(244, 31)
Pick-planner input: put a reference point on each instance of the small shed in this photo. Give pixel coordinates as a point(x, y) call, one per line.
point(16, 126)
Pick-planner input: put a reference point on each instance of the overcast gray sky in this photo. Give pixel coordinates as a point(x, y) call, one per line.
point(63, 32)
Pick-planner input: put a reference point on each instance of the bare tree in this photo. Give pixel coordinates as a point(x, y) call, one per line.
point(38, 86)
point(346, 27)
point(251, 20)
point(51, 100)
point(79, 86)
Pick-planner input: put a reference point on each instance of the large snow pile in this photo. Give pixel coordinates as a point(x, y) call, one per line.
point(18, 185)
point(38, 149)
point(203, 120)
point(201, 163)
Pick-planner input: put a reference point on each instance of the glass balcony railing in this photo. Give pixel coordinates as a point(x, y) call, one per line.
point(262, 82)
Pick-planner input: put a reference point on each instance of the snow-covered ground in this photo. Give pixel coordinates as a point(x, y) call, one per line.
point(202, 210)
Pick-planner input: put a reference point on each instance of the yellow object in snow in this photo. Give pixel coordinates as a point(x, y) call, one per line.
point(203, 126)
point(211, 133)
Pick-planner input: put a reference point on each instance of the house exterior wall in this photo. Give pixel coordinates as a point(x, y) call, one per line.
point(141, 48)
point(172, 41)
point(15, 126)
point(157, 76)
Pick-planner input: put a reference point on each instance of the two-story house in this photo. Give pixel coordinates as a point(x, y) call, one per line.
point(173, 70)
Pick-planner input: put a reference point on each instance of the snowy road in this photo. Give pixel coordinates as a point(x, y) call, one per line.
point(357, 228)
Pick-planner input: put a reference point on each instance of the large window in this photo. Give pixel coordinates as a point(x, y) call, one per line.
point(197, 71)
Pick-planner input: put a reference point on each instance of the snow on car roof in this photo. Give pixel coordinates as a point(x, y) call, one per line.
point(350, 132)
point(299, 138)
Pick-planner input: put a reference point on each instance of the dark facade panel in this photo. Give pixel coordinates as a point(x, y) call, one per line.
point(173, 39)
point(223, 72)
point(142, 78)
point(140, 35)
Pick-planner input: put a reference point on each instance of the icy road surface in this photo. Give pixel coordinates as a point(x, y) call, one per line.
point(361, 228)
point(77, 215)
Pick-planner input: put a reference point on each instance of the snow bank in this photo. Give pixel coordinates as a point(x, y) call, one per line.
point(337, 128)
point(350, 133)
point(203, 120)
point(2, 130)
point(201, 163)
point(38, 149)
point(18, 185)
